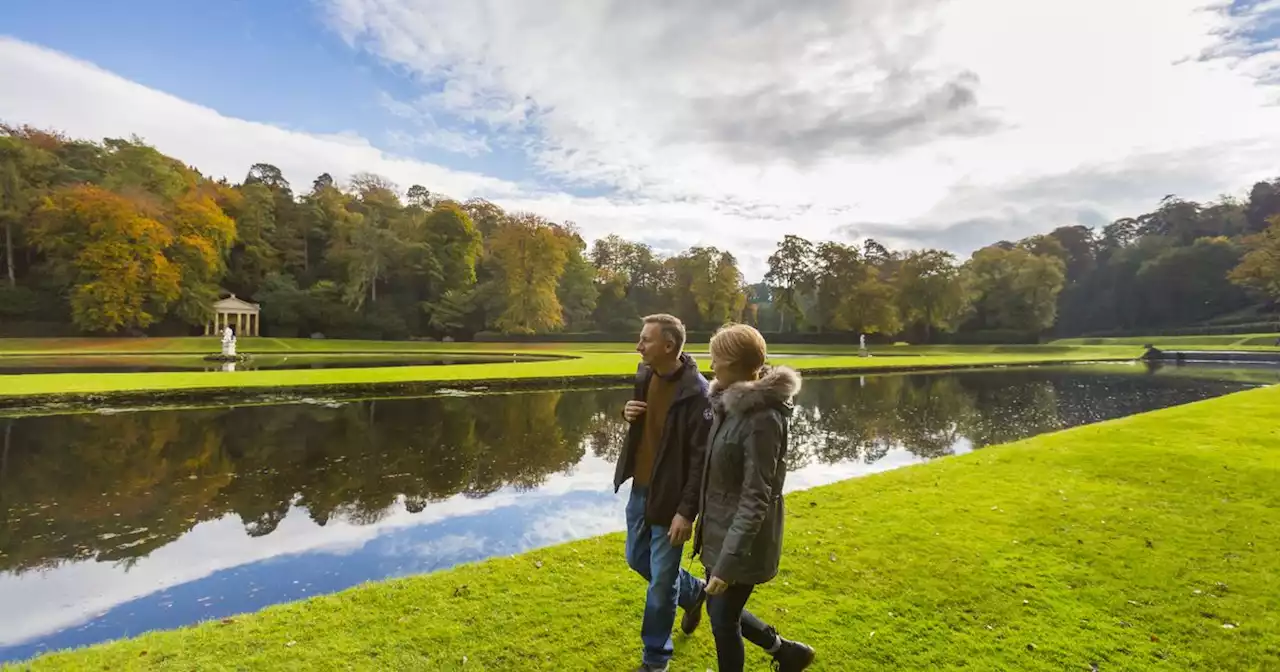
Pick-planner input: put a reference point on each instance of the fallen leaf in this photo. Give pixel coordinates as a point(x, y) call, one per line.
point(290, 643)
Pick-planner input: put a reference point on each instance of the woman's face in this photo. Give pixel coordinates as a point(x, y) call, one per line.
point(724, 369)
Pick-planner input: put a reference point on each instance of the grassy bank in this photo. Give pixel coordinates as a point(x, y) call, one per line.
point(1143, 543)
point(586, 364)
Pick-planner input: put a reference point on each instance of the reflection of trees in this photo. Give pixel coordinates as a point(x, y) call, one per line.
point(1010, 406)
point(112, 487)
point(116, 487)
point(861, 419)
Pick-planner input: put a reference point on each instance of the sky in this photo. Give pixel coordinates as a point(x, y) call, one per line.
point(938, 123)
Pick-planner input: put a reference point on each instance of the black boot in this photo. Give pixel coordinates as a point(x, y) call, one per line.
point(692, 617)
point(792, 656)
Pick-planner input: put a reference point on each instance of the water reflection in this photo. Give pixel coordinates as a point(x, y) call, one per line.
point(114, 524)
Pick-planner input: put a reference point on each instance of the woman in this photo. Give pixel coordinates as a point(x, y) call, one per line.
point(740, 535)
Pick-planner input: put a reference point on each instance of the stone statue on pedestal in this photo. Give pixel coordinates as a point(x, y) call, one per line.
point(228, 342)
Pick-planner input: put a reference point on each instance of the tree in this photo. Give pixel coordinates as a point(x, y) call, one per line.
point(202, 236)
point(419, 195)
point(253, 257)
point(706, 291)
point(1015, 289)
point(531, 256)
point(1264, 203)
point(270, 177)
point(1259, 268)
point(577, 291)
point(791, 271)
point(111, 254)
point(1185, 284)
point(26, 173)
point(456, 244)
point(932, 291)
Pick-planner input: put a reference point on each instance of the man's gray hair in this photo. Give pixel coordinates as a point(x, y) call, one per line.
point(672, 328)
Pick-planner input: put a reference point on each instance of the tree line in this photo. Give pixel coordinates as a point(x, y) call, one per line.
point(115, 237)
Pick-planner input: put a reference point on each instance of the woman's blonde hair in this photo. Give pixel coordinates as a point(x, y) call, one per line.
point(741, 345)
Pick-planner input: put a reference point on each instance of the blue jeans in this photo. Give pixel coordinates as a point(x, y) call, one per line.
point(651, 554)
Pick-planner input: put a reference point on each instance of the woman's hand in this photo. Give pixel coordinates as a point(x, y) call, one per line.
point(716, 586)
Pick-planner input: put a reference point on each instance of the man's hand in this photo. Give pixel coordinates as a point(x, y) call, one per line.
point(716, 586)
point(681, 530)
point(633, 410)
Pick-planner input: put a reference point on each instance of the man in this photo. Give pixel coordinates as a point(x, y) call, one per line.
point(670, 417)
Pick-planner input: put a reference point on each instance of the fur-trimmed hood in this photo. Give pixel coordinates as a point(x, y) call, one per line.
point(776, 387)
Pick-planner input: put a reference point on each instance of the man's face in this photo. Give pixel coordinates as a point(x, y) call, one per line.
point(654, 347)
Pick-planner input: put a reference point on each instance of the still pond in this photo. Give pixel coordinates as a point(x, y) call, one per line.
point(115, 524)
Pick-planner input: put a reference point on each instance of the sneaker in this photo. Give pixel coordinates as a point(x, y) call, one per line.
point(645, 667)
point(693, 616)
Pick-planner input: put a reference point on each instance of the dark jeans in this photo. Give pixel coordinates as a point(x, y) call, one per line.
point(730, 622)
point(651, 555)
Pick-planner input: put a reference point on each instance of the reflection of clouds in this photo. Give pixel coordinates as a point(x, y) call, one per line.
point(79, 591)
point(447, 546)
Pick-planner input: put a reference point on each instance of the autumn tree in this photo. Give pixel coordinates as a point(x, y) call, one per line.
point(112, 255)
point(531, 254)
point(1259, 268)
point(202, 234)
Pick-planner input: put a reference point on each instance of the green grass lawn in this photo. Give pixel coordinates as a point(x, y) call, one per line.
point(1234, 341)
point(612, 362)
point(1143, 543)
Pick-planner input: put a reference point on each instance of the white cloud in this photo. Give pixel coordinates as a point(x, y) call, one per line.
point(880, 111)
point(733, 123)
point(430, 133)
point(50, 90)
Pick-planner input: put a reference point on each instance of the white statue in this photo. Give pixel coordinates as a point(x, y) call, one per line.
point(228, 342)
point(862, 345)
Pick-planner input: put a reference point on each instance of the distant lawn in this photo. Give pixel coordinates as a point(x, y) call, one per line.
point(594, 363)
point(1142, 543)
point(1236, 341)
point(207, 345)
